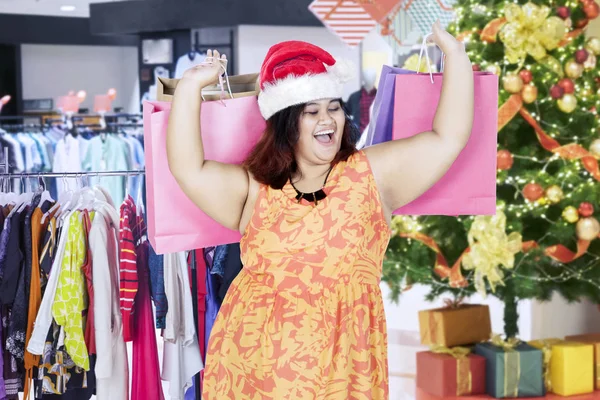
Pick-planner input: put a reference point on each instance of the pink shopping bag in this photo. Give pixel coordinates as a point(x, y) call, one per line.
point(469, 186)
point(230, 129)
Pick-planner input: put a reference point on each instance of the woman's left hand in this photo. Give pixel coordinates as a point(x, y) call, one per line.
point(445, 41)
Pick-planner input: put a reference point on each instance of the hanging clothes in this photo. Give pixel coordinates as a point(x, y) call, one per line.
point(108, 153)
point(157, 285)
point(181, 358)
point(67, 158)
point(127, 266)
point(146, 383)
point(71, 295)
point(112, 372)
point(35, 297)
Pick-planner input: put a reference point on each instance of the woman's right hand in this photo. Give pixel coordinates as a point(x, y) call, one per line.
point(209, 71)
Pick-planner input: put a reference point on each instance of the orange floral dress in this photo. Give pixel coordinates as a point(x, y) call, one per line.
point(304, 319)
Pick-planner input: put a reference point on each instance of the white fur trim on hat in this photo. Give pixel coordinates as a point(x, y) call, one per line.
point(294, 90)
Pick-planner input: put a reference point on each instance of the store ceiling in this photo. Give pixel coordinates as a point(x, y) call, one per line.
point(49, 7)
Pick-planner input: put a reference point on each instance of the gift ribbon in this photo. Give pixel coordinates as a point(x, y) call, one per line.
point(512, 373)
point(506, 345)
point(512, 364)
point(597, 370)
point(431, 328)
point(454, 303)
point(464, 377)
point(547, 351)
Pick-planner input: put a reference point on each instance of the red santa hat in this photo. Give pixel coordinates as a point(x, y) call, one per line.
point(296, 72)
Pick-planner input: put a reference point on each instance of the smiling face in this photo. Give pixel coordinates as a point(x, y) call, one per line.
point(321, 126)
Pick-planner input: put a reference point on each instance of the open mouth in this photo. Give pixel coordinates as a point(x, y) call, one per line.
point(325, 136)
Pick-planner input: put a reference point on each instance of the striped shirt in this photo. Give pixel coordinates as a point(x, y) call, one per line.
point(128, 282)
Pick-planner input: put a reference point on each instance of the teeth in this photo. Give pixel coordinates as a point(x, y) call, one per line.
point(329, 132)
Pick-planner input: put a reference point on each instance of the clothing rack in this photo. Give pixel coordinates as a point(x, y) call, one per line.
point(6, 174)
point(70, 174)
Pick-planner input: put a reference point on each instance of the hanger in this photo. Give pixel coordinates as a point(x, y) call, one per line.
point(19, 201)
point(63, 199)
point(140, 201)
point(45, 194)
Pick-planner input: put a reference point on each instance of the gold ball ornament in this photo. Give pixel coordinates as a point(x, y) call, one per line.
point(529, 93)
point(512, 83)
point(494, 69)
point(595, 148)
point(570, 214)
point(590, 63)
point(555, 194)
point(593, 45)
point(587, 228)
point(568, 103)
point(573, 69)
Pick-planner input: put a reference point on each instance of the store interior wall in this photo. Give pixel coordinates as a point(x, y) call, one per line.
point(253, 42)
point(9, 56)
point(376, 53)
point(52, 70)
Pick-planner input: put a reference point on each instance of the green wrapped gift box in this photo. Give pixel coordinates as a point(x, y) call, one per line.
point(516, 372)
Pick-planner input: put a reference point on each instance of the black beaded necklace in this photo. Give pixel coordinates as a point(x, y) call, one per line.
point(314, 197)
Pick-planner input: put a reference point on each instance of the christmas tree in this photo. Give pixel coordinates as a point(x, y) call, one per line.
point(543, 238)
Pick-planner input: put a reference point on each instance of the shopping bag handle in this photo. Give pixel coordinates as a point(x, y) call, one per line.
point(424, 49)
point(221, 84)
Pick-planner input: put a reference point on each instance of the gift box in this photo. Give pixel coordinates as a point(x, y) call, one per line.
point(569, 366)
point(512, 370)
point(593, 339)
point(455, 326)
point(452, 373)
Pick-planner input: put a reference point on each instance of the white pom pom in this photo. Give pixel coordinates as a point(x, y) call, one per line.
point(344, 70)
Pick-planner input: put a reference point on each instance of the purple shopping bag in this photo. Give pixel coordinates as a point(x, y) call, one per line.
point(469, 186)
point(380, 128)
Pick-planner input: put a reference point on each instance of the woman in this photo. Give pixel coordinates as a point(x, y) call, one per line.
point(305, 318)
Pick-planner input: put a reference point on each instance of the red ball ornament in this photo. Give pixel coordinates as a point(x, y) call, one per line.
point(526, 76)
point(582, 23)
point(581, 56)
point(567, 85)
point(504, 160)
point(591, 9)
point(557, 92)
point(563, 12)
point(586, 209)
point(476, 67)
point(533, 191)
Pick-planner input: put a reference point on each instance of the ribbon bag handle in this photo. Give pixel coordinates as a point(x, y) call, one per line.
point(221, 83)
point(424, 49)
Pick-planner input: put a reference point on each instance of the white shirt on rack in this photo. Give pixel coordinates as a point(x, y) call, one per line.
point(112, 372)
point(43, 320)
point(185, 62)
point(67, 158)
point(181, 358)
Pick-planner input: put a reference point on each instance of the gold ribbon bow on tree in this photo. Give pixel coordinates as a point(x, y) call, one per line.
point(491, 248)
point(529, 30)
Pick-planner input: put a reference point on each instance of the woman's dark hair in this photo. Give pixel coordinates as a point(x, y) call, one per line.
point(272, 161)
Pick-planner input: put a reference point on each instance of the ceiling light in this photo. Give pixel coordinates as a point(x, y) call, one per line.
point(67, 8)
